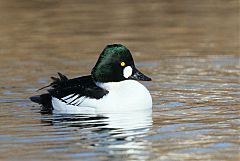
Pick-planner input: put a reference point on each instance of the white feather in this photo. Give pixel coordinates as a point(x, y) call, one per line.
point(127, 71)
point(66, 97)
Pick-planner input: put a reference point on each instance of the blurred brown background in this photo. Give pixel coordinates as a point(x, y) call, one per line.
point(46, 36)
point(75, 28)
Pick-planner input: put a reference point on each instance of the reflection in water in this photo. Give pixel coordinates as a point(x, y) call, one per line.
point(114, 131)
point(118, 121)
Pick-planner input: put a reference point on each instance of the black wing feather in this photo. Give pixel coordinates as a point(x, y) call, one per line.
point(57, 82)
point(82, 86)
point(62, 87)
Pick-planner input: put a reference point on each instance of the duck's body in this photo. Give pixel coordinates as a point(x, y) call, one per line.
point(128, 95)
point(109, 88)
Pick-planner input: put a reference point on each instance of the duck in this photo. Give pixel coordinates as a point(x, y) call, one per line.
point(112, 86)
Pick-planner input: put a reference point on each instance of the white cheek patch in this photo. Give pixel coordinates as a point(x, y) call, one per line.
point(127, 71)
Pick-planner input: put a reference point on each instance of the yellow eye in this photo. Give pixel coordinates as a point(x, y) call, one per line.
point(123, 64)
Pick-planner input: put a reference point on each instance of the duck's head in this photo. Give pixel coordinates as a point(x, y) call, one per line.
point(116, 64)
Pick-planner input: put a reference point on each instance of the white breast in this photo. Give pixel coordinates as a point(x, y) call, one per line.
point(128, 95)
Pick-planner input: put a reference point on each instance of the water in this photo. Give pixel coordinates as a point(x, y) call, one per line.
point(189, 49)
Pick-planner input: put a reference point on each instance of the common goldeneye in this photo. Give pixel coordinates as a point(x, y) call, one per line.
point(111, 87)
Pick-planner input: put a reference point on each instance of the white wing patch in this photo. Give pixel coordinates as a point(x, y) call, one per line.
point(73, 99)
point(66, 97)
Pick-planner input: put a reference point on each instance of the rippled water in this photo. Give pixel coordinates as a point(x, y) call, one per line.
point(189, 49)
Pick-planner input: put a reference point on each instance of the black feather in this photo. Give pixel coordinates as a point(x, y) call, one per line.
point(45, 101)
point(82, 86)
point(57, 82)
point(36, 99)
point(62, 87)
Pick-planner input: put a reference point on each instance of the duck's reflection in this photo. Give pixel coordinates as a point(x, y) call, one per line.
point(110, 133)
point(122, 122)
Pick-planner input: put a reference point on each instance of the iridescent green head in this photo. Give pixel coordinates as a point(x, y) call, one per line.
point(116, 64)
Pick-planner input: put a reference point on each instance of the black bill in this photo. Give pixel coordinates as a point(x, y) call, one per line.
point(137, 75)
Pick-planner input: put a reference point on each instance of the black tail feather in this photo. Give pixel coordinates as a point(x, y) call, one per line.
point(45, 100)
point(36, 99)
